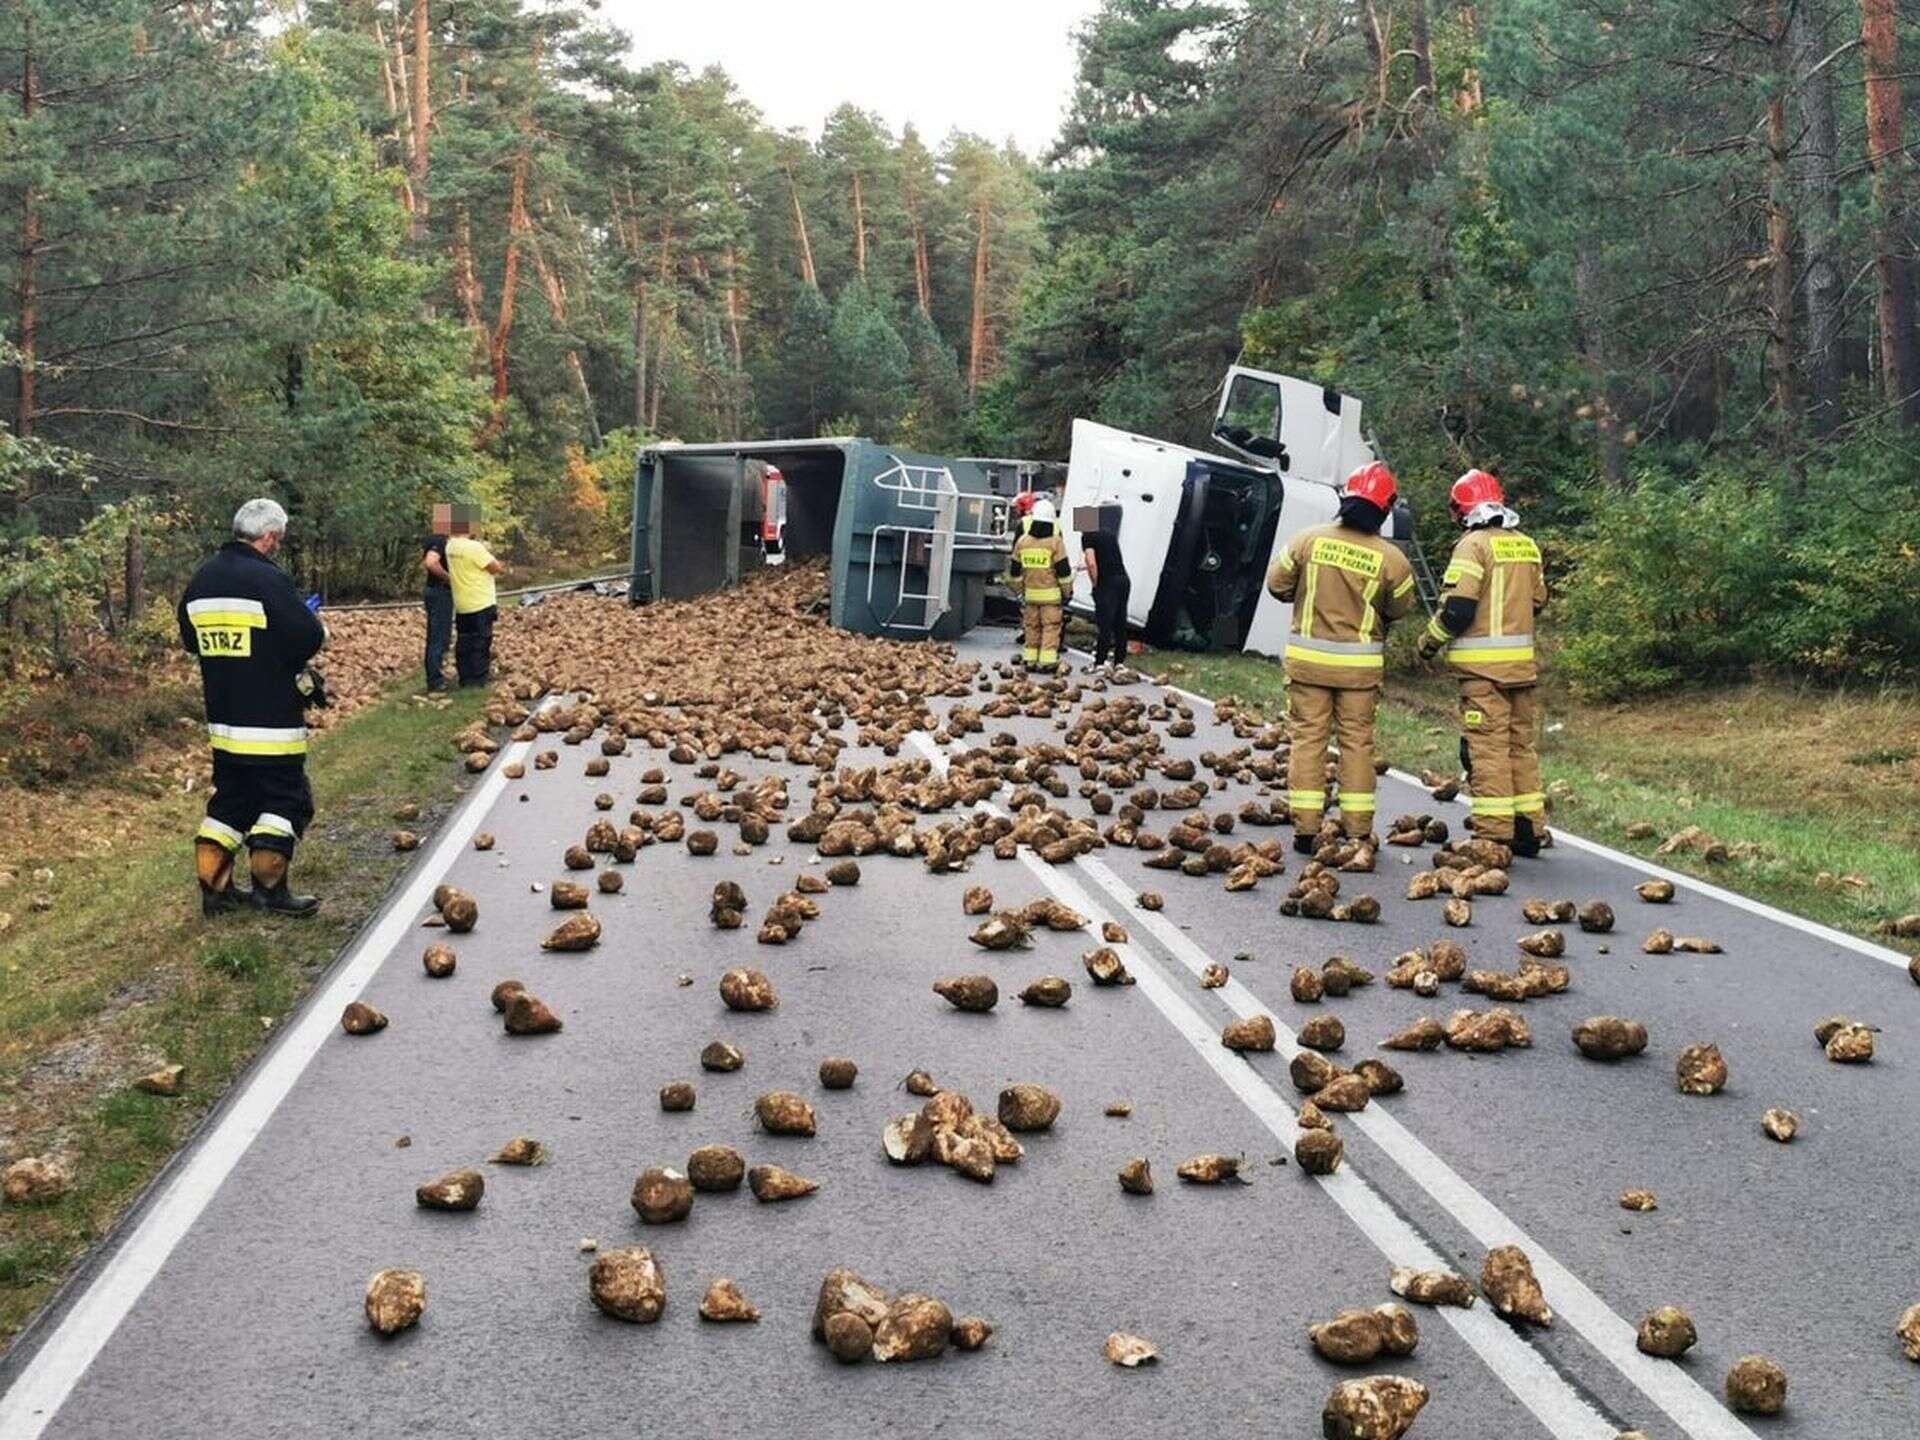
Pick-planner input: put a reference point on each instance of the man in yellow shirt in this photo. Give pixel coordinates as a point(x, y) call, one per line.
point(470, 570)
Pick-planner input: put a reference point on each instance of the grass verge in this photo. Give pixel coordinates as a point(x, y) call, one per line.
point(121, 975)
point(1821, 782)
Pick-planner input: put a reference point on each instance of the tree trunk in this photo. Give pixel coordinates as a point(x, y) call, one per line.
point(859, 229)
point(658, 366)
point(1469, 98)
point(25, 394)
point(557, 307)
point(136, 571)
point(1422, 47)
point(1594, 351)
point(466, 283)
point(422, 117)
point(640, 342)
point(977, 333)
point(1379, 51)
point(393, 107)
point(922, 270)
point(1779, 236)
point(509, 288)
point(734, 315)
point(807, 272)
point(1880, 40)
point(1819, 211)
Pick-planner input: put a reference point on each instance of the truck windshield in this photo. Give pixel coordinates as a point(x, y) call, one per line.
point(1250, 420)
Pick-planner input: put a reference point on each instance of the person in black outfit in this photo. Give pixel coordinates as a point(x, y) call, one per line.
point(1107, 572)
point(438, 598)
point(245, 622)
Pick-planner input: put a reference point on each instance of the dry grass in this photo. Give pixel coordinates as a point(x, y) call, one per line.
point(121, 975)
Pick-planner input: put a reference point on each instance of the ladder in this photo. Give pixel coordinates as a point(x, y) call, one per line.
point(926, 549)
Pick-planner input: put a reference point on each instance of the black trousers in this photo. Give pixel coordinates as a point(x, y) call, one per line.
point(1110, 619)
point(473, 644)
point(263, 804)
point(439, 603)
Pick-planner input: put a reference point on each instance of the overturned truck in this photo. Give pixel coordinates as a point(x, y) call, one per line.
point(915, 542)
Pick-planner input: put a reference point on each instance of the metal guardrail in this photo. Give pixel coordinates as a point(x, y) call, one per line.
point(581, 584)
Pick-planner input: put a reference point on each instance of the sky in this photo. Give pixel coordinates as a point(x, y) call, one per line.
point(1000, 68)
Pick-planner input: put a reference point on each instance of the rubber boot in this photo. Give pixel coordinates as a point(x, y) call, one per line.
point(270, 890)
point(214, 865)
point(1526, 840)
point(1306, 842)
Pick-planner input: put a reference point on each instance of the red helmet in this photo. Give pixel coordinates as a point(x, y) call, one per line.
point(1024, 501)
point(1476, 487)
point(1372, 482)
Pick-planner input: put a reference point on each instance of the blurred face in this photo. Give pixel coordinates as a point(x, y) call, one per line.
point(443, 519)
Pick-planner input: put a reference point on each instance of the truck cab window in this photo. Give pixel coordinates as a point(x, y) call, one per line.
point(1250, 420)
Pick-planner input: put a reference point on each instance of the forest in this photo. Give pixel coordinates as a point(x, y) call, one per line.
point(1648, 260)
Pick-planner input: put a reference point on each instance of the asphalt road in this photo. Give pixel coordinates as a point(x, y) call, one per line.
point(259, 1246)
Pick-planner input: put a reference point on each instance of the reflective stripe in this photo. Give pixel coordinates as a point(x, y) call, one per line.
point(1367, 613)
point(269, 824)
point(227, 610)
point(1437, 630)
point(1338, 647)
point(220, 833)
point(1496, 619)
point(1043, 597)
point(1286, 560)
point(1356, 802)
point(1402, 588)
point(257, 739)
point(1353, 662)
point(1477, 644)
point(1492, 649)
point(1031, 655)
point(1530, 804)
point(1312, 799)
point(1306, 601)
point(1459, 569)
point(1359, 654)
point(1493, 805)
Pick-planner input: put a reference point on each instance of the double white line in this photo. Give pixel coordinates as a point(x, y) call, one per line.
point(1552, 1398)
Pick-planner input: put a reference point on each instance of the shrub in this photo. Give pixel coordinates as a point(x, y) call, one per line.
point(1724, 576)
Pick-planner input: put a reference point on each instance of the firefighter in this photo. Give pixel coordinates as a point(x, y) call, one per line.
point(1345, 584)
point(1492, 590)
point(1036, 568)
point(254, 638)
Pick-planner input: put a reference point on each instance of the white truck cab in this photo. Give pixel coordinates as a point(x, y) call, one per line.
point(1197, 530)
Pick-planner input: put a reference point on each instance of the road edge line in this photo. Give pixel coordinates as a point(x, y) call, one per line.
point(49, 1376)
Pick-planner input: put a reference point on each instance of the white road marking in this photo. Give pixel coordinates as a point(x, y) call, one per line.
point(1831, 936)
point(1563, 1410)
point(1677, 1394)
point(35, 1397)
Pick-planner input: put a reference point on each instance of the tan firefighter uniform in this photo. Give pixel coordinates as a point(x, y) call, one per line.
point(1035, 570)
point(1344, 585)
point(1499, 571)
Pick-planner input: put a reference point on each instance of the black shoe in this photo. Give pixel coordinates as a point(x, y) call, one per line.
point(282, 901)
point(436, 687)
point(223, 902)
point(1526, 841)
point(1305, 844)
